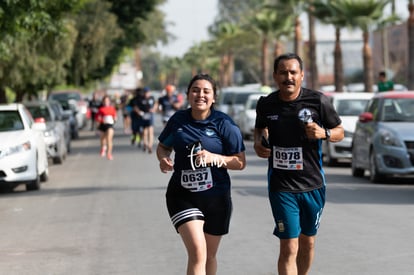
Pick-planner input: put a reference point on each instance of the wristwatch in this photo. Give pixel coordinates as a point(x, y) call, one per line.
point(327, 134)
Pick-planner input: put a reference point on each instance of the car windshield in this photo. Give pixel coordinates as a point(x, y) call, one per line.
point(252, 104)
point(10, 121)
point(398, 109)
point(241, 98)
point(40, 111)
point(351, 107)
point(227, 97)
point(65, 96)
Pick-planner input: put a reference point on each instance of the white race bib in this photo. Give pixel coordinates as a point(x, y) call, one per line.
point(108, 119)
point(288, 158)
point(197, 180)
point(146, 116)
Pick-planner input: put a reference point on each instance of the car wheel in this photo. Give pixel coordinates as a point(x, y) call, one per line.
point(374, 175)
point(58, 160)
point(33, 184)
point(45, 175)
point(68, 147)
point(356, 172)
point(329, 160)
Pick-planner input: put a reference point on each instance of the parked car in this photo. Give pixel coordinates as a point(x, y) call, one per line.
point(224, 99)
point(230, 102)
point(54, 134)
point(360, 87)
point(248, 115)
point(239, 101)
point(349, 106)
point(383, 141)
point(67, 118)
point(69, 112)
point(64, 97)
point(23, 157)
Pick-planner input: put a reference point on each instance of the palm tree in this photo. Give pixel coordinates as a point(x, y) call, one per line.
point(269, 21)
point(363, 14)
point(328, 15)
point(296, 7)
point(410, 25)
point(226, 36)
point(198, 57)
point(313, 82)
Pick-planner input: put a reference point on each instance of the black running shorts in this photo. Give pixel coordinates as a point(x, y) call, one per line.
point(214, 210)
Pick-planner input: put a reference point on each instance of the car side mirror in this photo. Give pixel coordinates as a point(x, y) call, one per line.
point(366, 117)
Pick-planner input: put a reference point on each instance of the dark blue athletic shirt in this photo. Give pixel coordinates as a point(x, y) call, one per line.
point(285, 121)
point(217, 134)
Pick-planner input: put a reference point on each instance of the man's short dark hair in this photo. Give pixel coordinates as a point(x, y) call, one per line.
point(287, 56)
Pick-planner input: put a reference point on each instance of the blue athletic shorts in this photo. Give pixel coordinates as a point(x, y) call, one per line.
point(297, 213)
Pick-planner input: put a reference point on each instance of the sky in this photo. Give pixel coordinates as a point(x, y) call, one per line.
point(189, 20)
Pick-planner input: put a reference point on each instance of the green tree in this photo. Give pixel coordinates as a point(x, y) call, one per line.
point(39, 65)
point(19, 28)
point(328, 15)
point(269, 21)
point(97, 31)
point(226, 37)
point(130, 15)
point(153, 30)
point(296, 8)
point(363, 14)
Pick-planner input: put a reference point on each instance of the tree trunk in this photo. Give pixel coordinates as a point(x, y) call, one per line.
point(298, 37)
point(3, 98)
point(224, 61)
point(313, 64)
point(368, 67)
point(264, 61)
point(410, 64)
point(230, 69)
point(278, 50)
point(138, 63)
point(338, 65)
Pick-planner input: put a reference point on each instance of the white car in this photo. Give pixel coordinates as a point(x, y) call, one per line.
point(247, 117)
point(349, 106)
point(23, 157)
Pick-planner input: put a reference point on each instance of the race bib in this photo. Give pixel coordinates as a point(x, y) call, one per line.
point(197, 180)
point(146, 116)
point(287, 158)
point(108, 119)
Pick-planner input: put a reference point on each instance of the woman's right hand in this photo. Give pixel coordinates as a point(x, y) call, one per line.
point(166, 164)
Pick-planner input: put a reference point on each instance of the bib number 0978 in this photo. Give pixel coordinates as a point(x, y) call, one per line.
point(288, 155)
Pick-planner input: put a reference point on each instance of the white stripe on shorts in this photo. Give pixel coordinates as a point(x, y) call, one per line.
point(191, 212)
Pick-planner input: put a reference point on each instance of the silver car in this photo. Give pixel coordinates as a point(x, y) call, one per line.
point(383, 141)
point(54, 134)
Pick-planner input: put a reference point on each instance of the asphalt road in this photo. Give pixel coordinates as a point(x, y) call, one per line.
point(102, 217)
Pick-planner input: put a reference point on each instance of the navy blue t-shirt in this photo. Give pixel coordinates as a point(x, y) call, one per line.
point(217, 134)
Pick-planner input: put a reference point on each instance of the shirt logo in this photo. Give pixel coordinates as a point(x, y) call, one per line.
point(209, 132)
point(305, 115)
